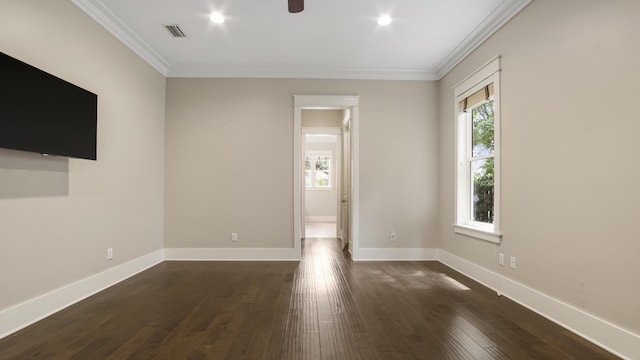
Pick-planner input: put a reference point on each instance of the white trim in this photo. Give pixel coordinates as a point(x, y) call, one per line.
point(330, 219)
point(325, 102)
point(24, 314)
point(507, 11)
point(608, 336)
point(497, 159)
point(231, 254)
point(354, 206)
point(103, 16)
point(478, 233)
point(298, 181)
point(397, 254)
point(470, 84)
point(483, 276)
point(322, 131)
point(216, 71)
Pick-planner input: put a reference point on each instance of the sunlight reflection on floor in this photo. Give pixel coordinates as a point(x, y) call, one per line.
point(320, 230)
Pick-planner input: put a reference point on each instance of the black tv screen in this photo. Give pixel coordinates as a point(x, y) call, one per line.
point(45, 114)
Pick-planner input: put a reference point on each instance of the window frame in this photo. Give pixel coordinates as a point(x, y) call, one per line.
point(464, 224)
point(312, 169)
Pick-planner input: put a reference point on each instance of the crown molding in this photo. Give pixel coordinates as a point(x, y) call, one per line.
point(492, 23)
point(213, 71)
point(103, 16)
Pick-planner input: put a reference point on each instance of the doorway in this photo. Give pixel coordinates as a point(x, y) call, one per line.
point(345, 165)
point(322, 172)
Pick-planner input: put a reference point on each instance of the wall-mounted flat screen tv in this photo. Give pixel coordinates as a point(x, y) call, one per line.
point(45, 114)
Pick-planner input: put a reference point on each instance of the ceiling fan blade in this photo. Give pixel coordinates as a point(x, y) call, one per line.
point(295, 6)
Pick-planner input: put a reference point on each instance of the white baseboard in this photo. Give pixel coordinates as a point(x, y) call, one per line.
point(482, 275)
point(329, 219)
point(611, 337)
point(24, 314)
point(396, 254)
point(232, 254)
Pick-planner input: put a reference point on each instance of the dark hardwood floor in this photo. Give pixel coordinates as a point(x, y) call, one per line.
point(324, 307)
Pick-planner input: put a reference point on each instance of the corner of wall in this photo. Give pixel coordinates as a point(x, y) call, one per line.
point(608, 336)
point(26, 313)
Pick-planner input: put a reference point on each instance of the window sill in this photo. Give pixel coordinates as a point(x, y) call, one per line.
point(478, 233)
point(319, 189)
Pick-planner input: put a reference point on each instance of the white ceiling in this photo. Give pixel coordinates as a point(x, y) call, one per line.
point(329, 39)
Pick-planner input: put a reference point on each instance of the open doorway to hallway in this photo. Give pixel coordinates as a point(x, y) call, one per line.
point(322, 150)
point(344, 160)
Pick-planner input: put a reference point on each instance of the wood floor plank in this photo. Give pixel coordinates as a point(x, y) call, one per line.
point(324, 307)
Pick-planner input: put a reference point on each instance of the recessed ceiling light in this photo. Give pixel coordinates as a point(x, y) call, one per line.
point(216, 17)
point(384, 20)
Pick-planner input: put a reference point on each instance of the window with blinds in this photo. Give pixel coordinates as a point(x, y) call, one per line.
point(477, 171)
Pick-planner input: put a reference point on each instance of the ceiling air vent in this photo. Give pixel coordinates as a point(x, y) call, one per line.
point(175, 31)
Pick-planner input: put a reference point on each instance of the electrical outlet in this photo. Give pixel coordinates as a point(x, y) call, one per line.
point(501, 259)
point(392, 236)
point(109, 254)
point(513, 262)
point(234, 236)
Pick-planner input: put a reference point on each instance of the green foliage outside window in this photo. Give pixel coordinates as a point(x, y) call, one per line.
point(483, 143)
point(317, 171)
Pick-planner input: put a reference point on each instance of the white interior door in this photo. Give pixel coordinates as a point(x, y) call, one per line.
point(345, 189)
point(303, 225)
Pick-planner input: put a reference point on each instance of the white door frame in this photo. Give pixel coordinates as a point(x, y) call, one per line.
point(325, 102)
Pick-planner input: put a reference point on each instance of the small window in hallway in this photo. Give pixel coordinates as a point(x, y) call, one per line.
point(318, 170)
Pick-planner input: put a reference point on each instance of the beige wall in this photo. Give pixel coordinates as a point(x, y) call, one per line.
point(322, 118)
point(58, 216)
point(216, 144)
point(570, 180)
point(570, 153)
